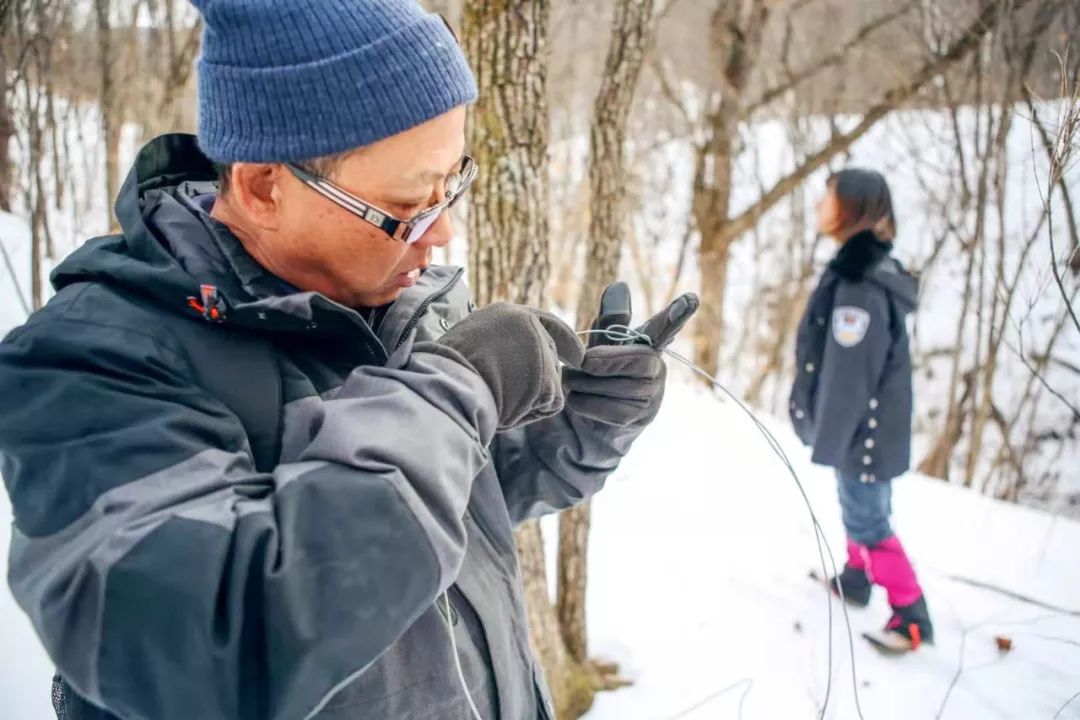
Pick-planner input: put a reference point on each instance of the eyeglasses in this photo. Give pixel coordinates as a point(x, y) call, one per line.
point(407, 231)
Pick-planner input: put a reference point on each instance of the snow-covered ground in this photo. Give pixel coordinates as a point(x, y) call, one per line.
point(701, 546)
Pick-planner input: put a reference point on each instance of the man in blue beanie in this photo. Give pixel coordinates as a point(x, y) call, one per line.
point(264, 460)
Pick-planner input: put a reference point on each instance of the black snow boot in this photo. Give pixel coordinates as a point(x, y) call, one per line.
point(910, 626)
point(855, 584)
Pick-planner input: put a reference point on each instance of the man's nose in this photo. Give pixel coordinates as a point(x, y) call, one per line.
point(440, 233)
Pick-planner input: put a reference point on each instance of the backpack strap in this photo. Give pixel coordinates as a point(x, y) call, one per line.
point(242, 371)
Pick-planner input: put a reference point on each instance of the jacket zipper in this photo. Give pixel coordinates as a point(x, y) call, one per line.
point(426, 304)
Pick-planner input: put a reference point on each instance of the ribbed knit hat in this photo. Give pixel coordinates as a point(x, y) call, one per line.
point(286, 80)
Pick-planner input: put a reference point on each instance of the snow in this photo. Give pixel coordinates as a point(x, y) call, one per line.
point(15, 241)
point(915, 150)
point(701, 542)
point(698, 568)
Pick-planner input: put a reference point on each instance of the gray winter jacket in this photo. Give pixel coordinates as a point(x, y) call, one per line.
point(852, 396)
point(170, 578)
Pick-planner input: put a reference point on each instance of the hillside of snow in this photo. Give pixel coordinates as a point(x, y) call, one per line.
point(701, 546)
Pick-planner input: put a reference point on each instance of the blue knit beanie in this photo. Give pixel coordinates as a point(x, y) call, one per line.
point(284, 80)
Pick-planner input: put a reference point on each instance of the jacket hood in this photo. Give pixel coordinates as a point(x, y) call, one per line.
point(172, 252)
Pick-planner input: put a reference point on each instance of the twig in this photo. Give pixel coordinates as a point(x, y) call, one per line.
point(1059, 158)
point(965, 43)
point(669, 92)
point(1042, 381)
point(709, 698)
point(1014, 595)
point(14, 279)
point(834, 58)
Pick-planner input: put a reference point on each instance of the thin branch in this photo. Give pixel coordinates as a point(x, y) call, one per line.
point(1060, 362)
point(668, 90)
point(1042, 381)
point(896, 95)
point(681, 263)
point(834, 58)
point(1063, 187)
point(14, 279)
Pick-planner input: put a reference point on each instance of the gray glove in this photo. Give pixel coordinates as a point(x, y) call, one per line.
point(516, 350)
point(621, 382)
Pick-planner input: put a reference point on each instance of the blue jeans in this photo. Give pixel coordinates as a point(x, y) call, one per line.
point(865, 508)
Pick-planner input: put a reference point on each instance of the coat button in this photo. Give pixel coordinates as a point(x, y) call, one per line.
point(800, 414)
point(872, 423)
point(869, 443)
point(809, 367)
point(872, 477)
point(873, 403)
point(867, 460)
point(864, 478)
point(444, 323)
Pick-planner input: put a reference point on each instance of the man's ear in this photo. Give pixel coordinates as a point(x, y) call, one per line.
point(253, 189)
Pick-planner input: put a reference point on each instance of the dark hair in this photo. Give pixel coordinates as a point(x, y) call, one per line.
point(324, 167)
point(865, 203)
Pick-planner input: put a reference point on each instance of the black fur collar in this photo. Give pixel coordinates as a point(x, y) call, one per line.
point(860, 253)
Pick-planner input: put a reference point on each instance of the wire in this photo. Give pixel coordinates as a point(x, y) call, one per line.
point(457, 659)
point(1014, 595)
point(704, 701)
point(1067, 704)
point(622, 333)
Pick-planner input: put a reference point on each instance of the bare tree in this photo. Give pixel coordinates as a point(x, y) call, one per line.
point(111, 120)
point(508, 132)
point(735, 36)
point(736, 33)
point(631, 34)
point(508, 236)
point(7, 125)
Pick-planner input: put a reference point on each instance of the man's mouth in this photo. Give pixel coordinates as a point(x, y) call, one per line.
point(408, 279)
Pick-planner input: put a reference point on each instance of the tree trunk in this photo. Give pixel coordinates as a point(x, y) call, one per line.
point(736, 45)
point(7, 126)
point(111, 121)
point(712, 193)
point(630, 36)
point(506, 43)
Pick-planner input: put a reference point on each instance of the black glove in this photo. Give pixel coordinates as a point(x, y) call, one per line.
point(516, 350)
point(621, 381)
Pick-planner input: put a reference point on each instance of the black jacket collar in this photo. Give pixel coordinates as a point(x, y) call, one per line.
point(859, 255)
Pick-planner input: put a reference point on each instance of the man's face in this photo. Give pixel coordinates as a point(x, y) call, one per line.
point(318, 246)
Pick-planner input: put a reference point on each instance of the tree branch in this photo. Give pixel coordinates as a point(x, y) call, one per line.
point(895, 96)
point(1060, 155)
point(834, 58)
point(668, 90)
point(14, 279)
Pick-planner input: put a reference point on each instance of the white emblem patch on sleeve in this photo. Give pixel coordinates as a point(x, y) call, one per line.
point(849, 325)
